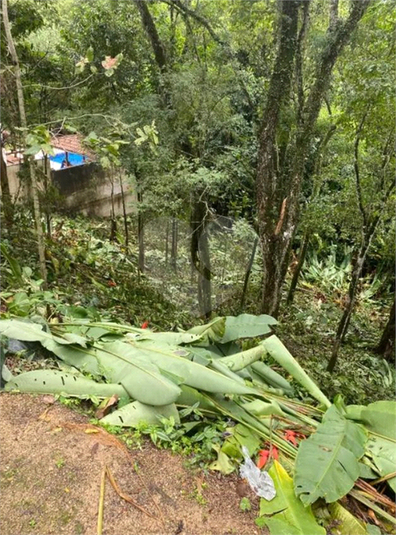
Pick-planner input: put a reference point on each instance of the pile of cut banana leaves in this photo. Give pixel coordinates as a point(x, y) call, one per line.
point(333, 466)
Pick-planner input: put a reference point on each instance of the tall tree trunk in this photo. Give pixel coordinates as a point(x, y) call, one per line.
point(368, 230)
point(22, 115)
point(248, 272)
point(174, 243)
point(157, 45)
point(278, 192)
point(386, 345)
point(140, 233)
point(352, 295)
point(167, 242)
point(6, 201)
point(271, 203)
point(200, 256)
point(297, 271)
point(124, 212)
point(113, 221)
point(47, 183)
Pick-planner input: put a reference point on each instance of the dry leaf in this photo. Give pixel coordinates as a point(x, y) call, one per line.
point(105, 409)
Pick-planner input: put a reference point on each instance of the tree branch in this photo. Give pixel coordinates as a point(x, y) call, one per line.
point(199, 18)
point(333, 13)
point(337, 39)
point(299, 60)
point(151, 30)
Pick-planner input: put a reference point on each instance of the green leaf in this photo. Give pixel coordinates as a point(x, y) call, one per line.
point(240, 436)
point(383, 452)
point(347, 524)
point(211, 332)
point(119, 364)
point(193, 374)
point(247, 326)
point(245, 505)
point(279, 352)
point(261, 408)
point(327, 462)
point(379, 417)
point(90, 54)
point(189, 397)
point(165, 337)
point(24, 331)
point(271, 377)
point(135, 413)
point(240, 360)
point(291, 517)
point(68, 384)
point(223, 463)
point(13, 263)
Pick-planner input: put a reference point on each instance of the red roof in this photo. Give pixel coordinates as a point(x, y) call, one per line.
point(13, 159)
point(71, 143)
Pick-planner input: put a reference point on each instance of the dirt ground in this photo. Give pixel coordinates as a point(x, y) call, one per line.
point(51, 464)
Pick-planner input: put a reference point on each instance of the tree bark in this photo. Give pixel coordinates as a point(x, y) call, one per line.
point(124, 213)
point(140, 233)
point(200, 256)
point(386, 345)
point(6, 195)
point(269, 196)
point(152, 33)
point(113, 221)
point(297, 271)
point(174, 243)
point(278, 193)
point(352, 295)
point(248, 272)
point(157, 45)
point(22, 116)
point(368, 230)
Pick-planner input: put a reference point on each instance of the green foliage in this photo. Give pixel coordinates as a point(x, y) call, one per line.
point(327, 462)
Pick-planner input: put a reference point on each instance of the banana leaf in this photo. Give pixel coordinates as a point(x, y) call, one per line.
point(327, 462)
point(33, 332)
point(246, 326)
point(135, 413)
point(244, 358)
point(378, 417)
point(290, 516)
point(191, 373)
point(165, 337)
point(189, 397)
point(271, 377)
point(383, 453)
point(347, 524)
point(118, 364)
point(240, 436)
point(211, 332)
point(279, 352)
point(57, 382)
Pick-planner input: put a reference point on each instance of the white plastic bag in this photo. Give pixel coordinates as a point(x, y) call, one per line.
point(260, 482)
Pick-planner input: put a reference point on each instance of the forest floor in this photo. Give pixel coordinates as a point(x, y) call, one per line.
point(52, 461)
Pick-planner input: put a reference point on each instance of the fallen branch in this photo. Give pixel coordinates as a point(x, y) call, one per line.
point(101, 501)
point(125, 496)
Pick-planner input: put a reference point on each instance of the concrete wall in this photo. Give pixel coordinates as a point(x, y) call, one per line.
point(85, 188)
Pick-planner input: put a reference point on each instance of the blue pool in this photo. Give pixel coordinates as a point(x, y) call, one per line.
point(74, 158)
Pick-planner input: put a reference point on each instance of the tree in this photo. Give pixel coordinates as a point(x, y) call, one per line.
point(386, 345)
point(371, 214)
point(5, 191)
point(279, 179)
point(23, 122)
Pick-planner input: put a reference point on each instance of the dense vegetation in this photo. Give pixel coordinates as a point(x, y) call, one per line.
point(258, 139)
